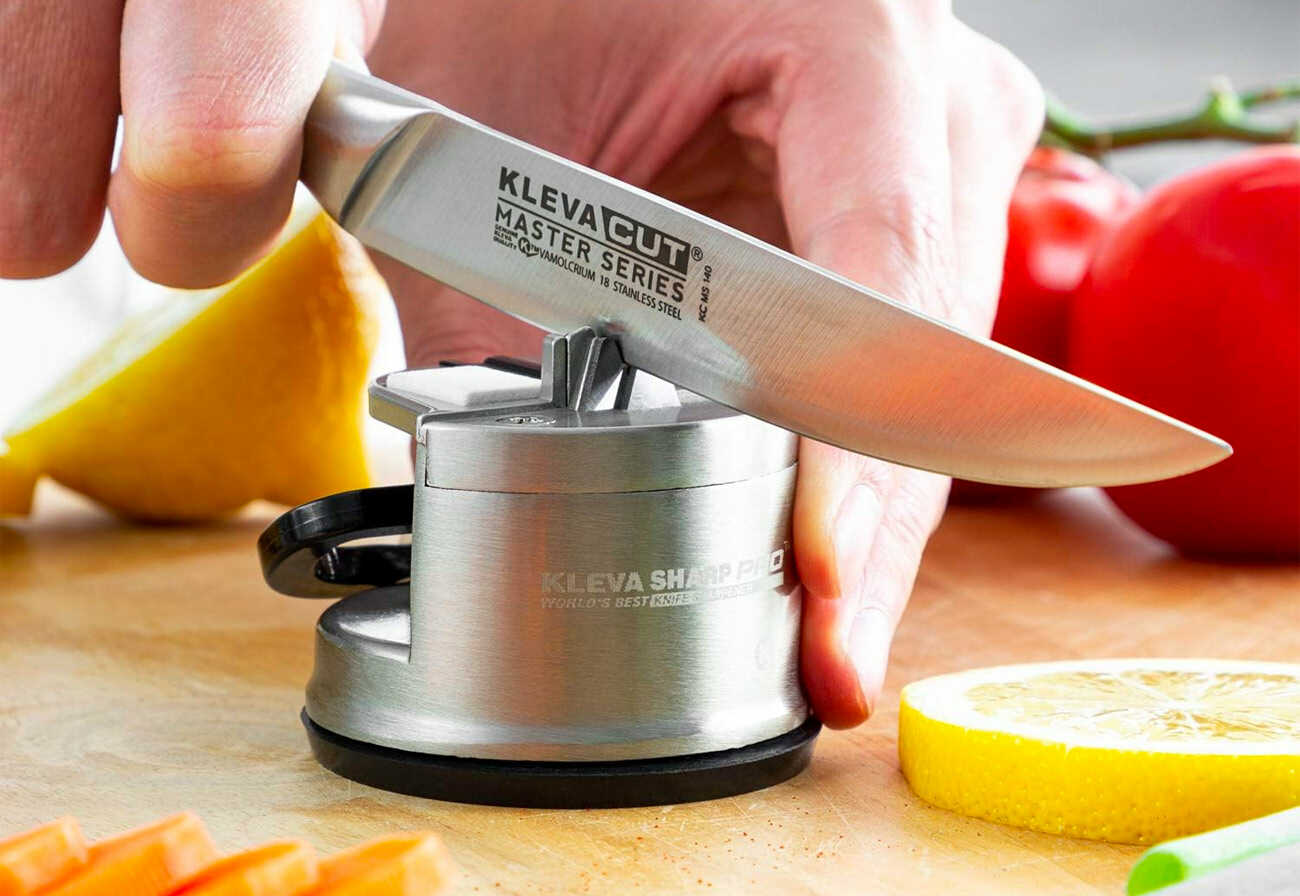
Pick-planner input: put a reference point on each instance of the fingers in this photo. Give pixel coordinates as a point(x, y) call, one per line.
point(840, 503)
point(879, 533)
point(914, 510)
point(213, 101)
point(909, 195)
point(861, 145)
point(865, 181)
point(58, 113)
point(995, 114)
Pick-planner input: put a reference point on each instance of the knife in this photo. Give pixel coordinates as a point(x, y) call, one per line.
point(715, 311)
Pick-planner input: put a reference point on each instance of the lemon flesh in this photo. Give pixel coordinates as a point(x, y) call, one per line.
point(218, 397)
point(1130, 751)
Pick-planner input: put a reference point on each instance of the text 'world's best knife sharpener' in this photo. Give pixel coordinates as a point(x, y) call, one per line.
point(598, 606)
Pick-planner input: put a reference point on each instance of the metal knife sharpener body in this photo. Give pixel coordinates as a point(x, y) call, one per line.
point(598, 605)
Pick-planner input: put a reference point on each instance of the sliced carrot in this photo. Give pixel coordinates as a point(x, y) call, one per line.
point(287, 868)
point(40, 857)
point(415, 864)
point(149, 861)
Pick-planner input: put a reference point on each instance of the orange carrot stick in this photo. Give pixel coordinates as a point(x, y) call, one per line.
point(415, 864)
point(287, 868)
point(40, 857)
point(149, 861)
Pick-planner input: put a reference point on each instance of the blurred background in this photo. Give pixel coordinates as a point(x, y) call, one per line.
point(1108, 59)
point(1115, 59)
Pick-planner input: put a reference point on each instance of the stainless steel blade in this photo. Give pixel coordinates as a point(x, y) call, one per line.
point(712, 309)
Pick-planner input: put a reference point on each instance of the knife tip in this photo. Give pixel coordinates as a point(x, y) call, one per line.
point(1220, 449)
point(1203, 449)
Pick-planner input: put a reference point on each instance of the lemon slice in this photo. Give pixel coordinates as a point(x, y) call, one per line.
point(214, 398)
point(1131, 751)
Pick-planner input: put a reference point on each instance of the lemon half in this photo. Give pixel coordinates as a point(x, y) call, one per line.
point(1131, 751)
point(214, 398)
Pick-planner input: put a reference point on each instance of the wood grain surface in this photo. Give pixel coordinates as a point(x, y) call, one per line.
point(145, 670)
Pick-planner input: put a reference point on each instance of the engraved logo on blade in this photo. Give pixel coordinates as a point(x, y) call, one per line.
point(665, 586)
point(602, 246)
point(651, 244)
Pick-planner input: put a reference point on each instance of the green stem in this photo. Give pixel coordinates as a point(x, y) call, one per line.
point(1287, 90)
point(1223, 116)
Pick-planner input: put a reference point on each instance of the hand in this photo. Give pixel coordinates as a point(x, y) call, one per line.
point(213, 94)
point(879, 139)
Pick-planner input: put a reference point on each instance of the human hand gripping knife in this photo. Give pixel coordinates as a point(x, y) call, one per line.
point(598, 605)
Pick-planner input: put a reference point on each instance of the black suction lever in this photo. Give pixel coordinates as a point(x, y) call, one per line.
point(303, 552)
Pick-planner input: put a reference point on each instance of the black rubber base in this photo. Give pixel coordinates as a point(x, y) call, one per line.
point(567, 785)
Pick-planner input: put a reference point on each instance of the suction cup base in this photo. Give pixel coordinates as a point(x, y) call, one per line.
point(567, 785)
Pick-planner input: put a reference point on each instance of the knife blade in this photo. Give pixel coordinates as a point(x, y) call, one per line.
point(710, 308)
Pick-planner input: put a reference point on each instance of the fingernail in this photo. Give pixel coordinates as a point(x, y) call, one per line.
point(869, 642)
point(855, 527)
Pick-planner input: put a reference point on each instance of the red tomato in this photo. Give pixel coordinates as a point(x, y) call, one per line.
point(1062, 206)
point(1193, 308)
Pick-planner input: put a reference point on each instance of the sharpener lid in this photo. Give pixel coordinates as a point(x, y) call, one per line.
point(567, 451)
point(504, 427)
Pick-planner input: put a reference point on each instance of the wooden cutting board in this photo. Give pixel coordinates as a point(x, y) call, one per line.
point(146, 670)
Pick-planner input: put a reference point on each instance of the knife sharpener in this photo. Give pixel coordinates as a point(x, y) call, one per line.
point(598, 605)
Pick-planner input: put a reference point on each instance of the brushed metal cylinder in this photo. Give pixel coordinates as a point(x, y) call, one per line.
point(577, 625)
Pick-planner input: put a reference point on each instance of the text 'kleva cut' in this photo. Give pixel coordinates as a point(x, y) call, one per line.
point(613, 227)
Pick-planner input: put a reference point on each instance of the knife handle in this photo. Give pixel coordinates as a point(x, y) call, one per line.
point(349, 124)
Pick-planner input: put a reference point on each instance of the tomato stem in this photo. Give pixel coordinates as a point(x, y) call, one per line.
point(1224, 115)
